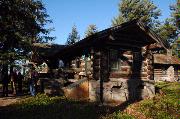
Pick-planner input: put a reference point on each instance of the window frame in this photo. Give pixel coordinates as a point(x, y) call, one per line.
point(114, 60)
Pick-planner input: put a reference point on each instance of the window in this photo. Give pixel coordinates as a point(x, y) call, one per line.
point(114, 65)
point(114, 60)
point(78, 63)
point(113, 54)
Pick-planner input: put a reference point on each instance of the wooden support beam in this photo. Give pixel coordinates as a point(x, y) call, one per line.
point(122, 44)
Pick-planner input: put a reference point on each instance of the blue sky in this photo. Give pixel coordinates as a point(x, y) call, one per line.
point(66, 13)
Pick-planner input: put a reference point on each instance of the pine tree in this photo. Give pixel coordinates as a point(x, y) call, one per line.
point(145, 10)
point(22, 24)
point(176, 17)
point(168, 30)
point(91, 29)
point(148, 13)
point(177, 14)
point(73, 36)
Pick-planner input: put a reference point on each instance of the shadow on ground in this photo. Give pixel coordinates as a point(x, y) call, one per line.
point(57, 109)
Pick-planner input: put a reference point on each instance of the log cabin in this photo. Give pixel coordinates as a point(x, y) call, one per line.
point(116, 64)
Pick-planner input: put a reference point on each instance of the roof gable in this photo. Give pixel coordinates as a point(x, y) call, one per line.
point(133, 34)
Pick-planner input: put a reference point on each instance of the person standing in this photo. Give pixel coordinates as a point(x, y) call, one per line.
point(32, 81)
point(13, 76)
point(5, 81)
point(19, 82)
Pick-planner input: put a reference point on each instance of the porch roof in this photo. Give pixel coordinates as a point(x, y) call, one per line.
point(130, 35)
point(42, 51)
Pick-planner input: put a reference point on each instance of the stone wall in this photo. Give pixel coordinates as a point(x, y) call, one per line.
point(121, 90)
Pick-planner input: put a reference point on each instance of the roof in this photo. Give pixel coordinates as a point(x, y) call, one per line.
point(155, 47)
point(44, 50)
point(165, 59)
point(130, 35)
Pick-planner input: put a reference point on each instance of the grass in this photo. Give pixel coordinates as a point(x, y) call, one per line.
point(165, 105)
point(44, 107)
point(118, 115)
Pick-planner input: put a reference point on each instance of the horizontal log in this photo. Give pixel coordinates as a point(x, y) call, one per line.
point(128, 52)
point(130, 57)
point(157, 69)
point(158, 72)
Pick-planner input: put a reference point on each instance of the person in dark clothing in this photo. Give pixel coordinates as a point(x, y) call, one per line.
point(13, 77)
point(33, 76)
point(19, 81)
point(5, 81)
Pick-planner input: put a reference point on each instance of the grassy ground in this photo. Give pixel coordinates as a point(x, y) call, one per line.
point(43, 107)
point(165, 105)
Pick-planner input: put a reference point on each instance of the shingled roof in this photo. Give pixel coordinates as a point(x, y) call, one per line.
point(166, 59)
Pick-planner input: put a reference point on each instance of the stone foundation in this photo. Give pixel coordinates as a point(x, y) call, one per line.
point(121, 90)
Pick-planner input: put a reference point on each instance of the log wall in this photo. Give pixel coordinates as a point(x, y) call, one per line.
point(126, 70)
point(131, 81)
point(165, 73)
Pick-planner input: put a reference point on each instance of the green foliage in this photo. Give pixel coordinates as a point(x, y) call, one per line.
point(145, 10)
point(22, 23)
point(91, 29)
point(148, 13)
point(73, 36)
point(164, 105)
point(176, 14)
point(118, 115)
point(168, 30)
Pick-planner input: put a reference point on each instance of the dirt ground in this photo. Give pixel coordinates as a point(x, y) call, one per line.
point(4, 101)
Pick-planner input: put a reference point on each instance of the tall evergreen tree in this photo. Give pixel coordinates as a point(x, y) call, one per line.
point(73, 36)
point(168, 30)
point(145, 10)
point(177, 14)
point(176, 17)
point(22, 23)
point(91, 29)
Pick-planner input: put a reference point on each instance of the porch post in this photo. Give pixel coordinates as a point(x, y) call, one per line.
point(101, 78)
